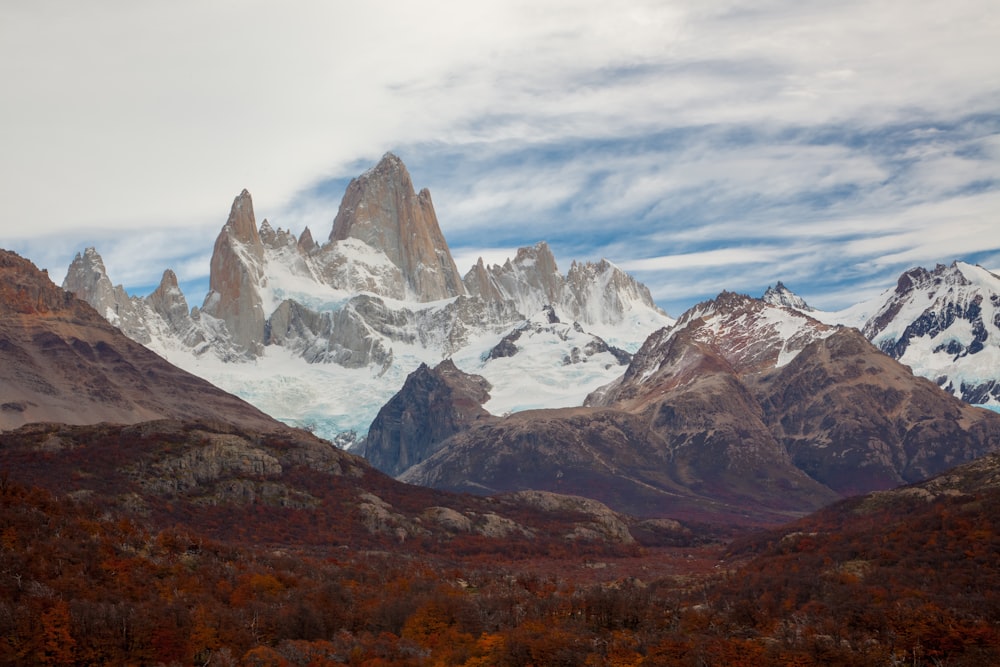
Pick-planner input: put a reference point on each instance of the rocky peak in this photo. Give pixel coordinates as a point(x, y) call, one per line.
point(779, 295)
point(531, 280)
point(381, 209)
point(938, 322)
point(88, 279)
point(168, 300)
point(237, 275)
point(26, 290)
point(275, 238)
point(241, 223)
point(479, 283)
point(602, 292)
point(732, 332)
point(306, 242)
point(433, 404)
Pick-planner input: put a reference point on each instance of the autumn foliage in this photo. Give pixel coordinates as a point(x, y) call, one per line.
point(79, 585)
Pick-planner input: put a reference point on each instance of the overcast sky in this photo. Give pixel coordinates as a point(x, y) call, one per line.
point(701, 145)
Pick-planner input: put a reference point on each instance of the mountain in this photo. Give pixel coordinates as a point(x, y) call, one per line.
point(943, 323)
point(779, 295)
point(381, 209)
point(321, 336)
point(742, 411)
point(433, 404)
point(85, 410)
point(63, 362)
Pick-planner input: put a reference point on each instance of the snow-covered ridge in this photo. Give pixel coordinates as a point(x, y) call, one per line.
point(943, 323)
point(323, 335)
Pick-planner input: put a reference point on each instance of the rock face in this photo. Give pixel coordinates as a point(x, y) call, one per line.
point(590, 293)
point(779, 295)
point(237, 277)
point(432, 405)
point(381, 209)
point(744, 411)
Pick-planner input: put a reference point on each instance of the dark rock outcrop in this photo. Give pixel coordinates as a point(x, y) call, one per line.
point(432, 405)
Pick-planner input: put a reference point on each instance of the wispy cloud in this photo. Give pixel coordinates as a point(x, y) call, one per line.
point(706, 145)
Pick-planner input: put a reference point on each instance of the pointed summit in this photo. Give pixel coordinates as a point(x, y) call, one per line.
point(779, 295)
point(306, 243)
point(169, 301)
point(381, 209)
point(237, 274)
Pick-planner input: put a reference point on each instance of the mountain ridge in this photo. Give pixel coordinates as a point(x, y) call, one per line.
point(743, 411)
point(349, 312)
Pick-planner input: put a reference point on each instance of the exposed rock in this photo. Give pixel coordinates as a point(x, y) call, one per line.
point(779, 295)
point(237, 277)
point(168, 302)
point(88, 279)
point(602, 521)
point(590, 293)
point(432, 405)
point(602, 292)
point(379, 517)
point(381, 209)
point(507, 346)
point(531, 280)
point(306, 243)
point(451, 520)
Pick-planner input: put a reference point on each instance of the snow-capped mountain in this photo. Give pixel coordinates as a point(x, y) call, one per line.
point(779, 295)
point(322, 335)
point(943, 323)
point(743, 334)
point(743, 409)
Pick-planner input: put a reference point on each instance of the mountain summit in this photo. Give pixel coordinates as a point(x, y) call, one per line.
point(381, 209)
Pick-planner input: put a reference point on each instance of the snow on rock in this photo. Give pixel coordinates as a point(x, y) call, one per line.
point(322, 336)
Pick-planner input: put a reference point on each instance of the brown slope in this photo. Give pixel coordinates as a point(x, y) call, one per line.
point(698, 451)
point(63, 362)
point(908, 575)
point(858, 421)
point(745, 409)
point(183, 452)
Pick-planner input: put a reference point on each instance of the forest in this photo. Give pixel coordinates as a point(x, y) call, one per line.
point(914, 583)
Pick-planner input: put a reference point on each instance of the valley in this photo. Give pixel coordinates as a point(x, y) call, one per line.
point(512, 467)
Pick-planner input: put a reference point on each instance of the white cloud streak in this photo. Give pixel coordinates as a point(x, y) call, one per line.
point(726, 138)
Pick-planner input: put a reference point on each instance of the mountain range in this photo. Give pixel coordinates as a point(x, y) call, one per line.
point(742, 411)
point(85, 409)
point(677, 412)
point(322, 335)
point(148, 516)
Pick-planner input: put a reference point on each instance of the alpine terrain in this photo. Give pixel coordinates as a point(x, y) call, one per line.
point(321, 335)
point(742, 411)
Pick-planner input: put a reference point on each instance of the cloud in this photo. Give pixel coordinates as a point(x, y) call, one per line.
point(831, 141)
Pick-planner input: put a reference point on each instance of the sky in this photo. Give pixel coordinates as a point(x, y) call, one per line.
point(701, 146)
